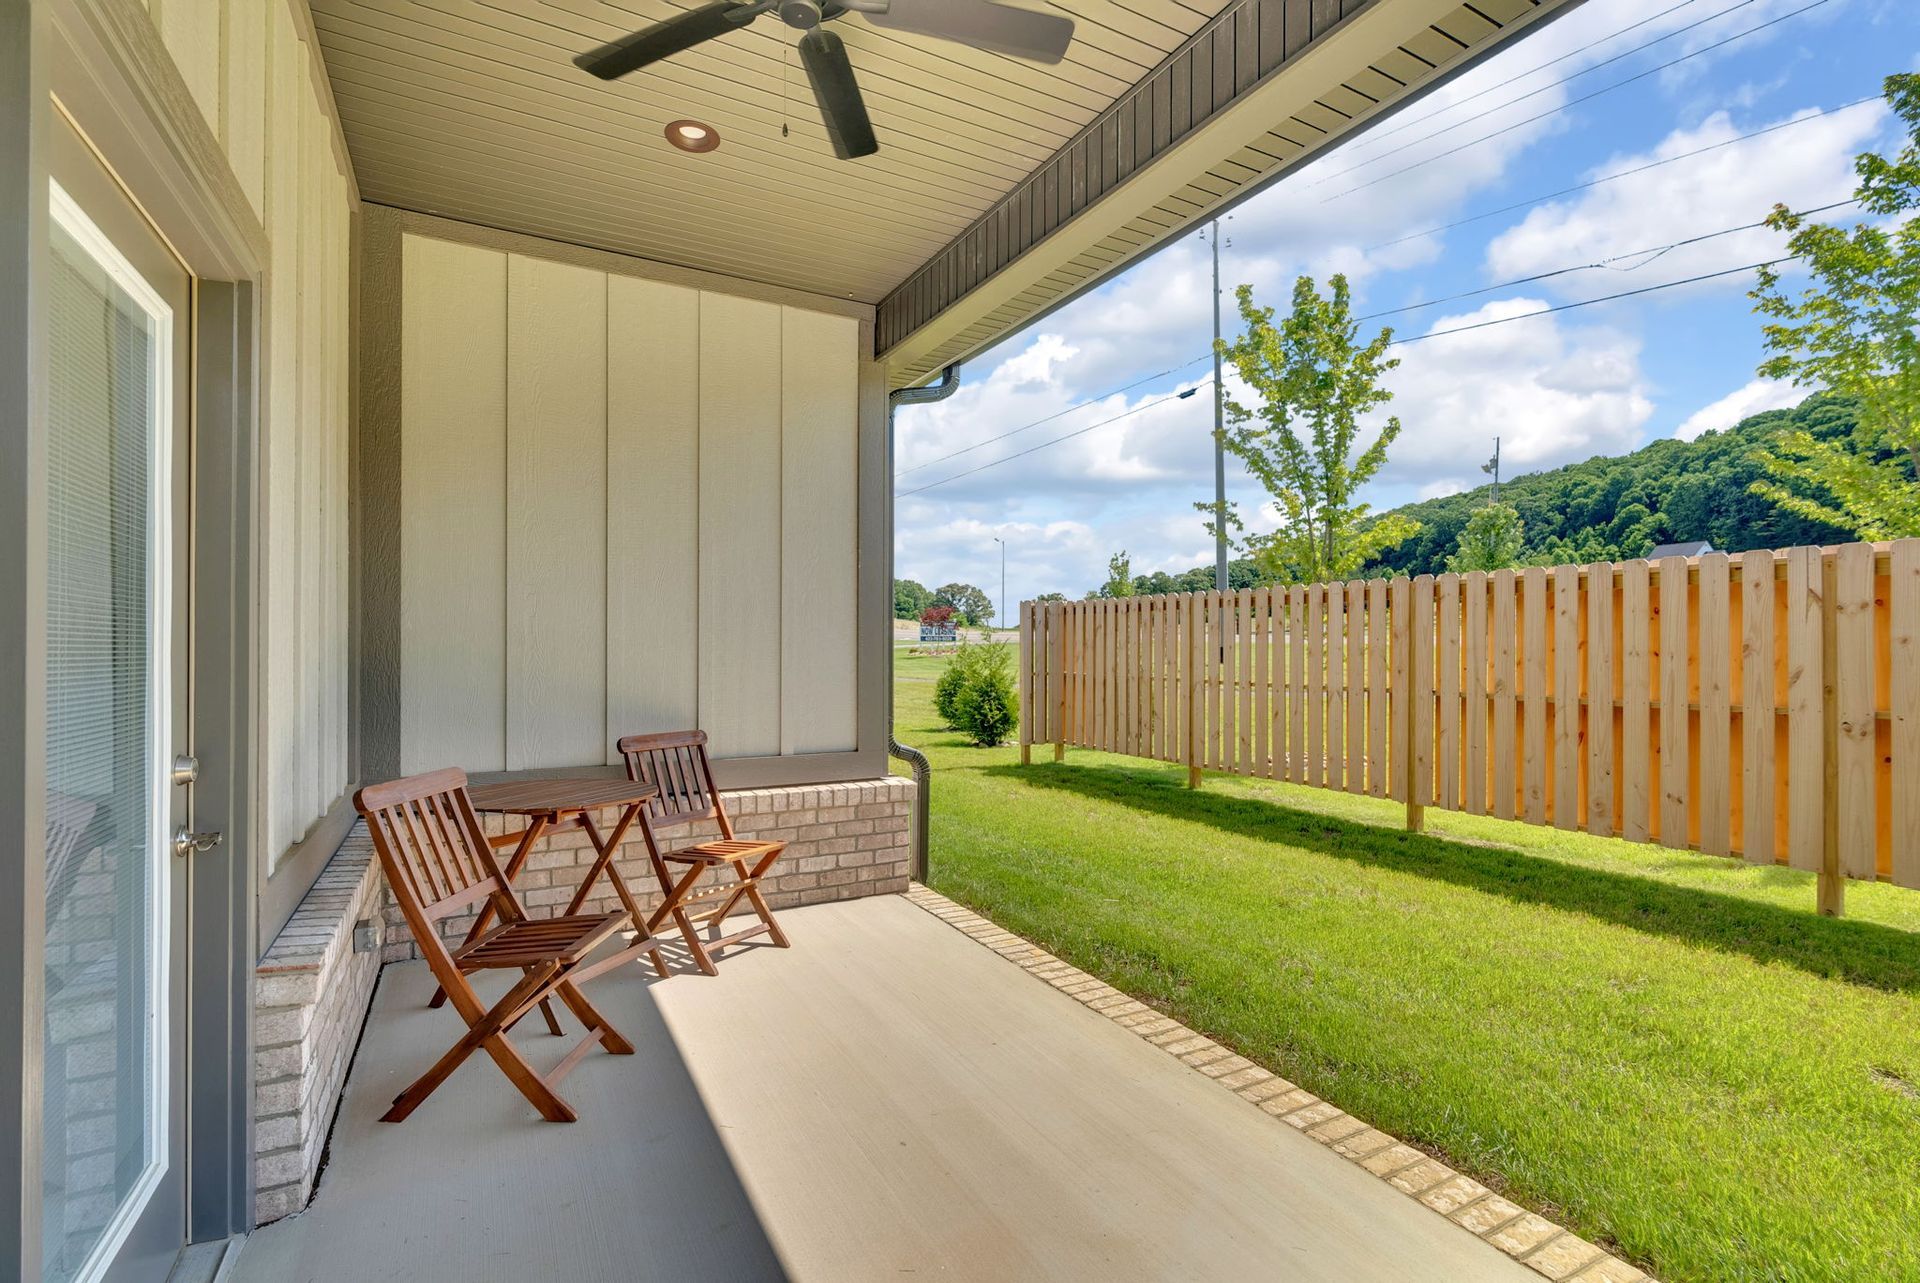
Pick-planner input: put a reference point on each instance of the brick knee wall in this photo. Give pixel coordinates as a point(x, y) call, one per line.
point(310, 998)
point(312, 989)
point(843, 841)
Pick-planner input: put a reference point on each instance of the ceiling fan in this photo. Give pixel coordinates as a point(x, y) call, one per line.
point(984, 24)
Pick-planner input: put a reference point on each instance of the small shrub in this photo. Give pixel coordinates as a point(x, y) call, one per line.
point(986, 705)
point(953, 679)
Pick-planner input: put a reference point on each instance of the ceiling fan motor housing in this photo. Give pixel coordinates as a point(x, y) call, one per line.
point(804, 15)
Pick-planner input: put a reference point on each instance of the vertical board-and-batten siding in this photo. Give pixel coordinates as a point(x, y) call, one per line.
point(626, 506)
point(453, 506)
point(249, 68)
point(653, 513)
point(556, 514)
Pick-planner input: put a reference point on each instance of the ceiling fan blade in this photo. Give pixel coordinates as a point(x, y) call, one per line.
point(664, 39)
point(1024, 33)
point(824, 55)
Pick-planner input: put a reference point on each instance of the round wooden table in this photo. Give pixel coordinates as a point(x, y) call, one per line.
point(550, 806)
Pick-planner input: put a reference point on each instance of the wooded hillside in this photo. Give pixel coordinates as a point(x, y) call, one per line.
point(1670, 491)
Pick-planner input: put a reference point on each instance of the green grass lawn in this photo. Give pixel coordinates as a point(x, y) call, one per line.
point(1669, 1053)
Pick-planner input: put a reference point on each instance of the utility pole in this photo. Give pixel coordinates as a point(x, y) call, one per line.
point(1493, 466)
point(1003, 581)
point(1219, 430)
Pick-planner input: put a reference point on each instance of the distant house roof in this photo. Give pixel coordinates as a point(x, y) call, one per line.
point(1693, 549)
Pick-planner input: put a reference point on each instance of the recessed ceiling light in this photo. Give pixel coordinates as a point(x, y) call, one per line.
point(691, 135)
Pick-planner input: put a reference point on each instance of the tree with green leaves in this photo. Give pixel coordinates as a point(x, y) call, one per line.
point(1119, 576)
point(1051, 596)
point(1315, 381)
point(1853, 331)
point(1493, 540)
point(910, 597)
point(972, 605)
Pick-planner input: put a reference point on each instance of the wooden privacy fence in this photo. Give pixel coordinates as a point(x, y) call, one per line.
point(1765, 705)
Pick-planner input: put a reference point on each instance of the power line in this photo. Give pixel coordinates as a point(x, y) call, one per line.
point(1554, 111)
point(1392, 131)
point(1619, 174)
point(1557, 84)
point(1657, 252)
point(1418, 338)
point(1609, 298)
point(1078, 432)
point(1061, 414)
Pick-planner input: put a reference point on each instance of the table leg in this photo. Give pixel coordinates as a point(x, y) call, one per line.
point(528, 839)
point(606, 851)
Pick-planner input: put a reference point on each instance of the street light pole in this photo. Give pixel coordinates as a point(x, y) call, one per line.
point(1003, 581)
point(1219, 428)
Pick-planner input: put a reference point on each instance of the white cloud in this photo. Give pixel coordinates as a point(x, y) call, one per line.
point(1809, 165)
point(1553, 394)
point(1755, 398)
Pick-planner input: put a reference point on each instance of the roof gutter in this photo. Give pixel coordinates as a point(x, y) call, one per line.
point(922, 769)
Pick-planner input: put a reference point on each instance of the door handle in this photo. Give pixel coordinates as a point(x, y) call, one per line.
point(186, 842)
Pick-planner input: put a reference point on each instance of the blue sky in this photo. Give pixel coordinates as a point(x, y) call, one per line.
point(1556, 387)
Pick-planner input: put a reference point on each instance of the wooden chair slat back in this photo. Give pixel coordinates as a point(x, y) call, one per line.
point(437, 859)
point(675, 762)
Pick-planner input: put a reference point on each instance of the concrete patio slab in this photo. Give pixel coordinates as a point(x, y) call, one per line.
point(885, 1099)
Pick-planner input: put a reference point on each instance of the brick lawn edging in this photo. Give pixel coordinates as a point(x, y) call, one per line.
point(1529, 1238)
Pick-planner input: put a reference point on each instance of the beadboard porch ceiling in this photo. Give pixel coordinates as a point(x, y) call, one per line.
point(1002, 187)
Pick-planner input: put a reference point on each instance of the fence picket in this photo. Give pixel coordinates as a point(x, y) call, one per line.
point(1903, 703)
point(1505, 721)
point(1400, 702)
point(1313, 687)
point(1195, 646)
point(1477, 712)
point(1356, 678)
point(1377, 697)
point(1636, 699)
point(1533, 688)
point(1854, 689)
point(1671, 661)
point(1420, 692)
point(1602, 652)
point(1336, 767)
point(1564, 802)
point(1243, 683)
point(1758, 752)
point(1447, 642)
point(1806, 709)
point(1714, 805)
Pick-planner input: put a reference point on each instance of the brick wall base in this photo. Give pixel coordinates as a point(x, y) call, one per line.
point(843, 841)
point(312, 989)
point(310, 998)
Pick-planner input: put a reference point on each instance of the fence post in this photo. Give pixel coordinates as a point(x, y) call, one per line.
point(1405, 719)
point(1196, 646)
point(1029, 666)
point(1057, 634)
point(1833, 884)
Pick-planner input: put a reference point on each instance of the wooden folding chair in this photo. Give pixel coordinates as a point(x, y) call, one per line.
point(439, 862)
point(676, 763)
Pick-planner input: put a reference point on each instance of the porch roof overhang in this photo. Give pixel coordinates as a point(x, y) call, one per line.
point(1003, 188)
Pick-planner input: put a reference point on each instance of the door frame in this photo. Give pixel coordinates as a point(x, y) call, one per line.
point(102, 65)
